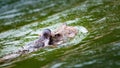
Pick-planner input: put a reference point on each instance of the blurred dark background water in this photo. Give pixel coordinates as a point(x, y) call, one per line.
point(22, 20)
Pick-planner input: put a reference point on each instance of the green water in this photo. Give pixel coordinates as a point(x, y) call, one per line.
point(97, 45)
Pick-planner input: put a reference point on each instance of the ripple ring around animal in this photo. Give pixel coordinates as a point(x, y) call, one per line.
point(46, 39)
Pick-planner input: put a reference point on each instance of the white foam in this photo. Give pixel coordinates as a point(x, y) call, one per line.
point(83, 29)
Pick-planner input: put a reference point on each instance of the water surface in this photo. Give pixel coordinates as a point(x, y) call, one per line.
point(97, 45)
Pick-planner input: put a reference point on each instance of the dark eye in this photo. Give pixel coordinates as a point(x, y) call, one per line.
point(57, 35)
point(69, 33)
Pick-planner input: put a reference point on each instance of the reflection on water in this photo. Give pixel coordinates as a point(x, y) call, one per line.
point(97, 45)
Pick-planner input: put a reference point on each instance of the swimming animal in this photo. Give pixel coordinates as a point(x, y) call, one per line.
point(58, 36)
point(42, 41)
point(62, 33)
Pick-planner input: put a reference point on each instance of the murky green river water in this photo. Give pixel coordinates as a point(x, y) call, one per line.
point(97, 45)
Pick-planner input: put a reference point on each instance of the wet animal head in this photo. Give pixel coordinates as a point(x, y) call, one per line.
point(64, 32)
point(43, 39)
point(46, 33)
